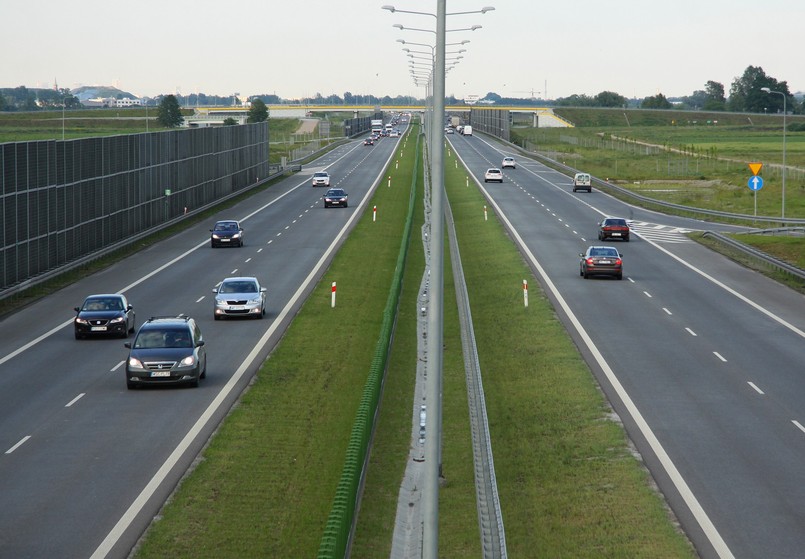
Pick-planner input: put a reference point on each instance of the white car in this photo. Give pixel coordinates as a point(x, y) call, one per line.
point(241, 296)
point(493, 174)
point(321, 178)
point(509, 162)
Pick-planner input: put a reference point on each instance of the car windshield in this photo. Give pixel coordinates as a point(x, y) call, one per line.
point(238, 287)
point(103, 305)
point(231, 226)
point(154, 339)
point(616, 222)
point(320, 174)
point(335, 193)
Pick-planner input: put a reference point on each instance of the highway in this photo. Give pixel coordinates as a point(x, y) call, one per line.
point(700, 358)
point(86, 464)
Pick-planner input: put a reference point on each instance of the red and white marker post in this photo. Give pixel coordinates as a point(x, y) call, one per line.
point(525, 293)
point(332, 297)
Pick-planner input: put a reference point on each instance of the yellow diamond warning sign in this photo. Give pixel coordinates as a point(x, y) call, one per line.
point(755, 167)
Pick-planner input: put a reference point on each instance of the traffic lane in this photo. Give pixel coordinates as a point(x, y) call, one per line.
point(80, 471)
point(26, 394)
point(527, 170)
point(615, 322)
point(176, 272)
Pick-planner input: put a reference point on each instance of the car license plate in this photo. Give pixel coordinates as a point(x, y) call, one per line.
point(604, 262)
point(616, 234)
point(225, 240)
point(98, 328)
point(236, 307)
point(160, 373)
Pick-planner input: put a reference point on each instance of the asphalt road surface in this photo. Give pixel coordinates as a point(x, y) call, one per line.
point(86, 463)
point(701, 358)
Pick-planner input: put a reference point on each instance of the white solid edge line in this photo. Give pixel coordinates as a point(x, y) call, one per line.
point(148, 491)
point(679, 482)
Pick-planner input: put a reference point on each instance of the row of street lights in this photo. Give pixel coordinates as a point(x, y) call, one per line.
point(433, 77)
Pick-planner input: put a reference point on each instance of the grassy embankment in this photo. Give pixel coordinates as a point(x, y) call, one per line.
point(568, 482)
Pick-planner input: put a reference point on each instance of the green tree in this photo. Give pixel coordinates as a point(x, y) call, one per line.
point(656, 102)
point(258, 112)
point(229, 121)
point(746, 94)
point(169, 114)
point(610, 99)
point(714, 100)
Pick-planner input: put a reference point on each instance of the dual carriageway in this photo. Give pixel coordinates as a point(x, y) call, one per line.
point(698, 356)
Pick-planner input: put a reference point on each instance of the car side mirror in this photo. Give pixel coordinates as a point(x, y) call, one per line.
point(77, 309)
point(581, 254)
point(199, 343)
point(215, 290)
point(127, 344)
point(263, 290)
point(130, 307)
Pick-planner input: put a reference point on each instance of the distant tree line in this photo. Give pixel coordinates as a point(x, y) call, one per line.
point(745, 95)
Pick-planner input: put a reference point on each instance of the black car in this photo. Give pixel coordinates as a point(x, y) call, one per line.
point(335, 197)
point(601, 261)
point(368, 142)
point(226, 233)
point(613, 228)
point(167, 350)
point(104, 314)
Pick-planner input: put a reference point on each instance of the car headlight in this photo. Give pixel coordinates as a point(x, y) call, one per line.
point(254, 301)
point(80, 320)
point(188, 361)
point(117, 319)
point(214, 236)
point(135, 363)
point(236, 236)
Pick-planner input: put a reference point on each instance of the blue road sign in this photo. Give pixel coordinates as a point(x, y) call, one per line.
point(755, 183)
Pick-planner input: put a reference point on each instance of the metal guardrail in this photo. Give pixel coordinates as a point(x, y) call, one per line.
point(758, 255)
point(604, 185)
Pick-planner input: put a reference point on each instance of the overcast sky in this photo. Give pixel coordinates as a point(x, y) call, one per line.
point(298, 48)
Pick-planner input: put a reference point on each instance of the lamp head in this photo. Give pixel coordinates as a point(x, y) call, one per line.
point(766, 89)
point(389, 8)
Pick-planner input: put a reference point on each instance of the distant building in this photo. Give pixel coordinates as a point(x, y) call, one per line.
point(126, 102)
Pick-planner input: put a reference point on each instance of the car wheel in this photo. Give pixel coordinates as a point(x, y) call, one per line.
point(130, 385)
point(78, 336)
point(626, 239)
point(346, 205)
point(194, 383)
point(619, 276)
point(216, 317)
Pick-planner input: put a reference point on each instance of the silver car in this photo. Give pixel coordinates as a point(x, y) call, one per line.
point(240, 297)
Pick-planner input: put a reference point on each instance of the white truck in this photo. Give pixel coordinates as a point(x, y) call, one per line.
point(377, 126)
point(466, 130)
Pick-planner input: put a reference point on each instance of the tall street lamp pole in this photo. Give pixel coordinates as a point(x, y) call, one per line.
point(769, 90)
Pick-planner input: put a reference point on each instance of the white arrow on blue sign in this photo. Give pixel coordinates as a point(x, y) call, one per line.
point(755, 183)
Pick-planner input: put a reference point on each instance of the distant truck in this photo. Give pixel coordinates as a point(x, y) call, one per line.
point(466, 130)
point(582, 181)
point(377, 126)
point(455, 121)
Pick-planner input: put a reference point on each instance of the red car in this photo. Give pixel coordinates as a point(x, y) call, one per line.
point(613, 228)
point(601, 261)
